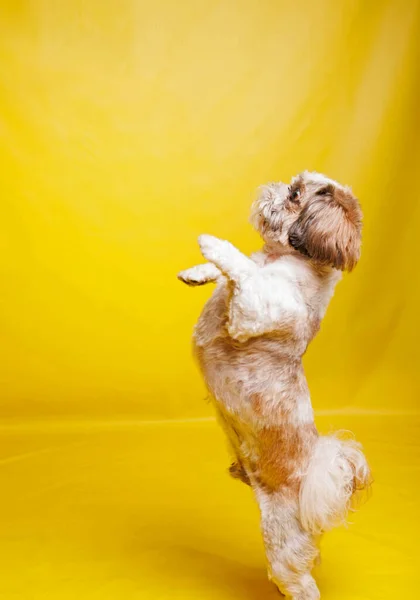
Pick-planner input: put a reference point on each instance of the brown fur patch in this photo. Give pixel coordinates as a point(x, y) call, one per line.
point(282, 451)
point(257, 402)
point(328, 229)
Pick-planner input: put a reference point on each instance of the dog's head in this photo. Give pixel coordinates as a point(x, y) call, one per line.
point(315, 215)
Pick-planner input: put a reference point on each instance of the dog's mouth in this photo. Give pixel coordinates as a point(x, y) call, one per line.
point(273, 222)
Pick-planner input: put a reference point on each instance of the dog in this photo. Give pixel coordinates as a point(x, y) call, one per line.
point(249, 341)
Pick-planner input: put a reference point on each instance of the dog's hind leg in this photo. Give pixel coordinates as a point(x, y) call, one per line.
point(290, 550)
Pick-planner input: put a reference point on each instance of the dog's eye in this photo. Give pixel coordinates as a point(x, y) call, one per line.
point(326, 190)
point(294, 195)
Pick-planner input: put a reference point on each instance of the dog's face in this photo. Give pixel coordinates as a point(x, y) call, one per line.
point(315, 215)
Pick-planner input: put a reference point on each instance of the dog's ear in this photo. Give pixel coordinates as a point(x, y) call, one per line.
point(329, 227)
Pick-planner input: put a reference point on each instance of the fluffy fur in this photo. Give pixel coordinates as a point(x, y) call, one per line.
point(249, 342)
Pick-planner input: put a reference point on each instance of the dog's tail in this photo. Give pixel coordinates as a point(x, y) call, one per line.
point(337, 471)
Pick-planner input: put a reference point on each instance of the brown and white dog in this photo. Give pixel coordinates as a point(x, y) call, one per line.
point(249, 341)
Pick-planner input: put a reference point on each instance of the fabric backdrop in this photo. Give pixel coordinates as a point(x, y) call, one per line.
point(129, 128)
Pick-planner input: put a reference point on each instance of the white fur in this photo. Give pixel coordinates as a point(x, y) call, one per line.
point(328, 486)
point(315, 177)
point(289, 548)
point(200, 274)
point(264, 299)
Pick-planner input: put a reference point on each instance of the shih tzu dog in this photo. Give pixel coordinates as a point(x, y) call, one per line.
point(249, 342)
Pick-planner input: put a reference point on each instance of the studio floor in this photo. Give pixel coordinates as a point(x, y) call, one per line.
point(139, 510)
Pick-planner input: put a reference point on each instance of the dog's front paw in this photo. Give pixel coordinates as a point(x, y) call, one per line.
point(210, 246)
point(185, 277)
point(200, 274)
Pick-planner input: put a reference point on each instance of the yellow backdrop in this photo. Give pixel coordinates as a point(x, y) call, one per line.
point(130, 127)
